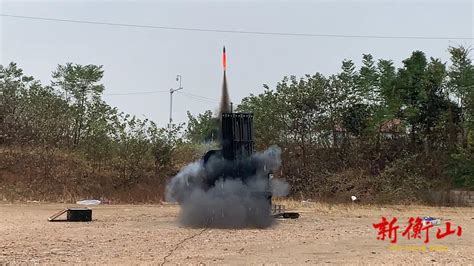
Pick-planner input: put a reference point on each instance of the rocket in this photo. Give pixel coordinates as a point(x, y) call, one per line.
point(225, 102)
point(224, 59)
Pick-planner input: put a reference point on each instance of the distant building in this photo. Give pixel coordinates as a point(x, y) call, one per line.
point(392, 128)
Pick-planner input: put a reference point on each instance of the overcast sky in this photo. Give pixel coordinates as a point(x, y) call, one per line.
point(144, 59)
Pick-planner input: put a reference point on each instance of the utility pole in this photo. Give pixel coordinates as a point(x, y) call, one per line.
point(178, 79)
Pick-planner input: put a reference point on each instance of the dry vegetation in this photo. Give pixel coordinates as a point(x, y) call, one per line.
point(36, 175)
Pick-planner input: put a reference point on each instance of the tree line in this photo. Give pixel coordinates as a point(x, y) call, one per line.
point(378, 131)
point(70, 118)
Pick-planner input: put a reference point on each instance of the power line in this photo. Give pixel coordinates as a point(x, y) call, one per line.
point(240, 31)
point(135, 93)
point(198, 97)
point(190, 95)
point(201, 100)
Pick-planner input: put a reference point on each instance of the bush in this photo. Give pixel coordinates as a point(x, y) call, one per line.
point(461, 168)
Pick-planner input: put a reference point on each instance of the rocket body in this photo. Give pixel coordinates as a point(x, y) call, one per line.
point(224, 59)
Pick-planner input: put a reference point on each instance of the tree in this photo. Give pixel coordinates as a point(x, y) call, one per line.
point(356, 119)
point(436, 104)
point(269, 127)
point(461, 85)
point(337, 99)
point(30, 113)
point(390, 102)
point(411, 93)
point(202, 128)
point(81, 89)
point(368, 81)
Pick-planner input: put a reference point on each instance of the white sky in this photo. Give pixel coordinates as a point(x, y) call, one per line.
point(140, 59)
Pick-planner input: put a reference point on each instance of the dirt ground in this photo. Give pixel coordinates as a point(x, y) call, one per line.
point(144, 234)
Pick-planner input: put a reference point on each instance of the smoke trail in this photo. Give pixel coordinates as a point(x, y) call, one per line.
point(225, 101)
point(227, 203)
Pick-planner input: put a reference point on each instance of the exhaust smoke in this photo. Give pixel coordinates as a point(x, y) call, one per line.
point(230, 203)
point(225, 101)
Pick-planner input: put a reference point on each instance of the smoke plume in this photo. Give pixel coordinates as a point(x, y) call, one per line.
point(280, 187)
point(228, 203)
point(225, 101)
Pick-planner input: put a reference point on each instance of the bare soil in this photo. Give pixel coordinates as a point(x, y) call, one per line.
point(145, 234)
